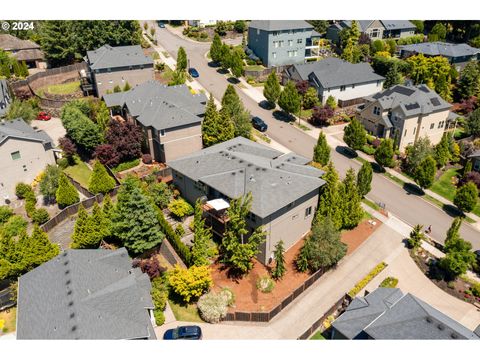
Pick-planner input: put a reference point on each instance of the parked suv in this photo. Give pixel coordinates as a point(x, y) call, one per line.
point(259, 124)
point(193, 332)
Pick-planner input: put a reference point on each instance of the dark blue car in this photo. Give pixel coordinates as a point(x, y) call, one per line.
point(184, 333)
point(259, 124)
point(193, 72)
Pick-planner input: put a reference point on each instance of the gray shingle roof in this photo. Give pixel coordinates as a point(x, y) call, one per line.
point(441, 48)
point(239, 166)
point(362, 24)
point(334, 72)
point(19, 129)
point(278, 25)
point(119, 56)
point(5, 98)
point(160, 106)
point(397, 24)
point(9, 42)
point(411, 100)
point(85, 294)
point(388, 314)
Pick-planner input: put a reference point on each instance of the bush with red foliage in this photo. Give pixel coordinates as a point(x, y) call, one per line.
point(473, 176)
point(302, 87)
point(468, 105)
point(321, 114)
point(147, 158)
point(376, 142)
point(150, 266)
point(68, 146)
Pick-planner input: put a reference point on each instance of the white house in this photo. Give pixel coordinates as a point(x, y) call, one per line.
point(348, 83)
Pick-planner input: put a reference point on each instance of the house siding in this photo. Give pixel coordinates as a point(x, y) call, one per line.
point(104, 80)
point(350, 92)
point(179, 142)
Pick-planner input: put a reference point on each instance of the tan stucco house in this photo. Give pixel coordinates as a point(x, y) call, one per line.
point(111, 66)
point(170, 116)
point(284, 188)
point(24, 153)
point(406, 113)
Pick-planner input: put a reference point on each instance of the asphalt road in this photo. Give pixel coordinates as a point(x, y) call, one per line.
point(408, 207)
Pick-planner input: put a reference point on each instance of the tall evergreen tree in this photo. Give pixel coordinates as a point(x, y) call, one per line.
point(236, 64)
point(202, 239)
point(240, 117)
point(466, 197)
point(181, 59)
point(469, 81)
point(424, 175)
point(416, 237)
point(289, 99)
point(321, 151)
point(351, 201)
point(134, 221)
point(216, 126)
point(215, 48)
point(278, 255)
point(66, 193)
point(100, 181)
point(384, 153)
point(107, 210)
point(84, 236)
point(393, 77)
point(49, 182)
point(454, 229)
point(36, 249)
point(355, 135)
point(272, 89)
point(364, 179)
point(56, 42)
point(330, 203)
point(442, 151)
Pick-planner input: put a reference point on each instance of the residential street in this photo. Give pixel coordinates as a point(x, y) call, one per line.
point(408, 207)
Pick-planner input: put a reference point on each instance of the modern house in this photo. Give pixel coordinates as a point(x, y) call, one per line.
point(406, 113)
point(457, 54)
point(23, 50)
point(348, 83)
point(116, 66)
point(375, 29)
point(170, 116)
point(280, 42)
point(284, 188)
point(388, 314)
point(5, 98)
point(24, 152)
point(85, 294)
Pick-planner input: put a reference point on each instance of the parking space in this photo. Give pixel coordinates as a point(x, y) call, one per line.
point(52, 127)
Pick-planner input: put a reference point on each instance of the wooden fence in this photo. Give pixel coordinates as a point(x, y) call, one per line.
point(262, 74)
point(267, 316)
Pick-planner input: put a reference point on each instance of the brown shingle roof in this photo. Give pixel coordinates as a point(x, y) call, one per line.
point(10, 43)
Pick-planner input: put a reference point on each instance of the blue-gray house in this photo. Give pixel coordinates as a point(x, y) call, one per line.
point(279, 42)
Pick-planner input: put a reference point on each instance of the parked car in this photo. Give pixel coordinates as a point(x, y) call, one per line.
point(259, 124)
point(161, 25)
point(193, 72)
point(193, 332)
point(42, 115)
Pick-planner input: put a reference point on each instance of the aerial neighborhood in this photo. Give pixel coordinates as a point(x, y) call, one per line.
point(218, 179)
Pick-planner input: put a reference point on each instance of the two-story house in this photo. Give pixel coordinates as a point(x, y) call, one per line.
point(116, 66)
point(279, 42)
point(5, 98)
point(375, 29)
point(348, 83)
point(24, 153)
point(284, 188)
point(406, 113)
point(170, 116)
point(457, 54)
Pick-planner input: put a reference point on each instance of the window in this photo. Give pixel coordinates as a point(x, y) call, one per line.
point(295, 53)
point(110, 81)
point(274, 55)
point(308, 211)
point(280, 43)
point(290, 42)
point(353, 86)
point(374, 33)
point(162, 132)
point(290, 53)
point(342, 88)
point(432, 125)
point(15, 155)
point(299, 41)
point(275, 33)
point(441, 124)
point(275, 44)
point(376, 110)
point(378, 82)
point(258, 31)
point(405, 133)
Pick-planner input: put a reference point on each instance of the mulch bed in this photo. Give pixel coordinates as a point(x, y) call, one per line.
point(250, 299)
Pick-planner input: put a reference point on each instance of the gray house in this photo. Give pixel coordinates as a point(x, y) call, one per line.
point(85, 294)
point(284, 188)
point(170, 117)
point(375, 29)
point(279, 42)
point(475, 156)
point(111, 66)
point(5, 98)
point(457, 54)
point(348, 83)
point(388, 314)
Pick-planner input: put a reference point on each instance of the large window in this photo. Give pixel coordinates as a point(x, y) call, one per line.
point(376, 110)
point(342, 88)
point(299, 41)
point(15, 155)
point(274, 55)
point(308, 211)
point(290, 42)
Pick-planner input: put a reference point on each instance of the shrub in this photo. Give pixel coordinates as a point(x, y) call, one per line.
point(14, 226)
point(265, 284)
point(159, 293)
point(22, 189)
point(229, 295)
point(147, 158)
point(362, 283)
point(5, 214)
point(30, 206)
point(179, 230)
point(190, 283)
point(369, 150)
point(159, 317)
point(213, 307)
point(63, 163)
point(40, 216)
point(151, 267)
point(180, 208)
point(475, 289)
point(389, 282)
point(100, 181)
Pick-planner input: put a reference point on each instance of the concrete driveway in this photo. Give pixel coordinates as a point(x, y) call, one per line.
point(52, 127)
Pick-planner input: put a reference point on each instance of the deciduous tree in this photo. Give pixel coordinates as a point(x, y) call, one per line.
point(272, 89)
point(466, 197)
point(355, 135)
point(384, 153)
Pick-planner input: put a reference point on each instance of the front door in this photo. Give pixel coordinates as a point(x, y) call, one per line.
point(380, 130)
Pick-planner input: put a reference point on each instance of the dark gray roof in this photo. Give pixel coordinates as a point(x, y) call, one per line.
point(362, 24)
point(476, 153)
point(388, 314)
point(85, 294)
point(278, 25)
point(119, 56)
point(441, 48)
point(397, 24)
point(239, 166)
point(160, 106)
point(411, 100)
point(335, 72)
point(19, 129)
point(5, 98)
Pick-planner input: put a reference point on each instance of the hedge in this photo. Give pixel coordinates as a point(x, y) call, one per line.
point(362, 283)
point(182, 250)
point(389, 282)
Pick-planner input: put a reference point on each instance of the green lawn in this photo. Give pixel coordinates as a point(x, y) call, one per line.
point(305, 114)
point(60, 89)
point(185, 312)
point(80, 172)
point(373, 205)
point(318, 336)
point(126, 165)
point(8, 320)
point(254, 67)
point(167, 74)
